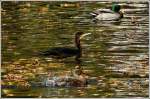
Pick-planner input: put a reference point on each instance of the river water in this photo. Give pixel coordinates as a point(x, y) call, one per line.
point(115, 55)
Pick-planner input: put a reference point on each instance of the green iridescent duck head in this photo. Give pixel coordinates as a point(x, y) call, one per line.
point(116, 7)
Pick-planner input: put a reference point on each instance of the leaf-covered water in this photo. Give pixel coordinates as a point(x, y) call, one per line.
point(115, 57)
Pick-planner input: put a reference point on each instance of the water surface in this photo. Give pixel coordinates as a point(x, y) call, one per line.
point(115, 55)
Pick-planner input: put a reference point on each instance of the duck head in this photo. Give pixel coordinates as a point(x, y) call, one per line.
point(116, 7)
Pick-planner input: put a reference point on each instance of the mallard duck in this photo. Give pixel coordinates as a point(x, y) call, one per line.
point(108, 14)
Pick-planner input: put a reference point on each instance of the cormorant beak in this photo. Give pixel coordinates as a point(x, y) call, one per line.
point(85, 34)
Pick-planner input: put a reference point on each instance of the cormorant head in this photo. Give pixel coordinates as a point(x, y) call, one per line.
point(116, 7)
point(80, 35)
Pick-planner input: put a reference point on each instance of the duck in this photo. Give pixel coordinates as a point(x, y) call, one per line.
point(113, 14)
point(76, 79)
point(63, 52)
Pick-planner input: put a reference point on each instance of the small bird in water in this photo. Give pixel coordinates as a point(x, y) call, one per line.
point(63, 52)
point(76, 78)
point(108, 14)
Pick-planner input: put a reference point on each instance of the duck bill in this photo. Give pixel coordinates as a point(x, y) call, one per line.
point(83, 35)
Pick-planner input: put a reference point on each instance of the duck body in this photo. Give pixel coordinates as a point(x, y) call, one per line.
point(77, 78)
point(108, 14)
point(68, 81)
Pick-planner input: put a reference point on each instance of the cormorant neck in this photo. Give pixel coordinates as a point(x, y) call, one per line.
point(77, 43)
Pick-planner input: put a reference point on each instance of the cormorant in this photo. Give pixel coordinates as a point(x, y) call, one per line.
point(63, 52)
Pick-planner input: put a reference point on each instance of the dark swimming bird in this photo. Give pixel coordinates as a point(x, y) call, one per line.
point(108, 14)
point(62, 52)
